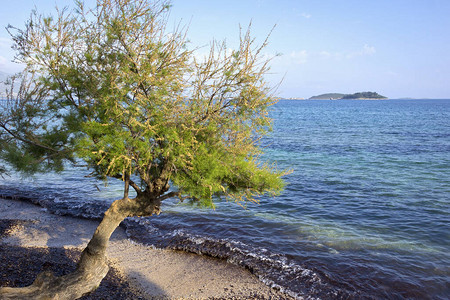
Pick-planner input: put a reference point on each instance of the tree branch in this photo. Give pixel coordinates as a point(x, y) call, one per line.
point(127, 186)
point(27, 141)
point(169, 195)
point(130, 182)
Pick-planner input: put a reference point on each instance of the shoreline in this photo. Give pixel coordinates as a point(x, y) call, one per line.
point(142, 270)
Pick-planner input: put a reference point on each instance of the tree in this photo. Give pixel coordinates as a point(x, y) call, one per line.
point(113, 87)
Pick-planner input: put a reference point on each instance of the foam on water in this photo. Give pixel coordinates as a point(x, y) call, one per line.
point(274, 270)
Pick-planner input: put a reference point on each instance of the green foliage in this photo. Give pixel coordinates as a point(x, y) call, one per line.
point(130, 99)
point(327, 96)
point(360, 95)
point(364, 95)
point(34, 136)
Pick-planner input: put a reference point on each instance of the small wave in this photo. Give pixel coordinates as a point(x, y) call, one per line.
point(275, 270)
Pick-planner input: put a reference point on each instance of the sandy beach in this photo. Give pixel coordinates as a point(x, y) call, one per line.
point(33, 240)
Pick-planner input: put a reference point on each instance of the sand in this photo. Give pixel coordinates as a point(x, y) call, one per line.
point(150, 273)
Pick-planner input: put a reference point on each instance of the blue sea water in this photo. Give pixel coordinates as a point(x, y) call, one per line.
point(365, 213)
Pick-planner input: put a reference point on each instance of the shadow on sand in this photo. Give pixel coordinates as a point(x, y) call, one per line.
point(19, 266)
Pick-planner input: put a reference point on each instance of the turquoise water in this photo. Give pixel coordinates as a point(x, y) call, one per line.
point(365, 213)
point(371, 183)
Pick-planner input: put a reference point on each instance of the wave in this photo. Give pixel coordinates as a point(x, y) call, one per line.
point(273, 269)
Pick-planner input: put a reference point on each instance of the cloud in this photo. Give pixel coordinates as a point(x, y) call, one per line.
point(299, 57)
point(369, 50)
point(366, 50)
point(325, 54)
point(305, 15)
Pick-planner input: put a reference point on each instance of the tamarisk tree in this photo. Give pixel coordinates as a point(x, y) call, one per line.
point(112, 86)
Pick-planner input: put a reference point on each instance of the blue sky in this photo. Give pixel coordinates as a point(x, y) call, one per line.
point(398, 48)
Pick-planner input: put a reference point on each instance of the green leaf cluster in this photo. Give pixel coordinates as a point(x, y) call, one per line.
point(131, 100)
point(34, 135)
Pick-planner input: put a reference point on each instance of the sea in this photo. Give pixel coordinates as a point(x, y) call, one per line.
point(365, 213)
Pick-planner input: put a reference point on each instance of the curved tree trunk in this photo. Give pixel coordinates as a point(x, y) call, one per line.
point(93, 266)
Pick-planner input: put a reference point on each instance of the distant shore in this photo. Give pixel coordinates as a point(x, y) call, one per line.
point(405, 99)
point(304, 99)
point(34, 238)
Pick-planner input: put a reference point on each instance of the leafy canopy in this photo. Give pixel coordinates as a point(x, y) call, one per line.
point(112, 86)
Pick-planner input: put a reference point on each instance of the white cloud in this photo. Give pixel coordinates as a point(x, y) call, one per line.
point(369, 50)
point(325, 54)
point(366, 50)
point(299, 57)
point(305, 15)
point(332, 55)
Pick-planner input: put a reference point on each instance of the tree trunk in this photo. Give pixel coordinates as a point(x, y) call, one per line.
point(93, 266)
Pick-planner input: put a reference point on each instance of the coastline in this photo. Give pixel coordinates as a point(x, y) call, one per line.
point(138, 271)
point(328, 99)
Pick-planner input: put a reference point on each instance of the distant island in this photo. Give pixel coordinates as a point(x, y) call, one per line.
point(355, 96)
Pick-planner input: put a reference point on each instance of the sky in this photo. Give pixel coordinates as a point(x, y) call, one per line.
point(398, 48)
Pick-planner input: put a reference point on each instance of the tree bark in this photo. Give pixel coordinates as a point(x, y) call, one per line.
point(93, 265)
